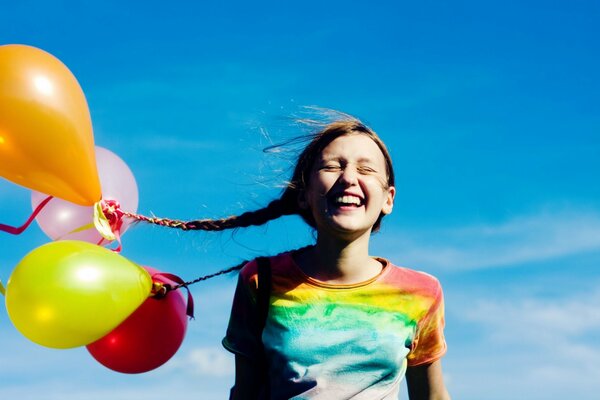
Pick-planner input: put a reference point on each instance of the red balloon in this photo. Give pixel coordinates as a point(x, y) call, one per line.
point(149, 337)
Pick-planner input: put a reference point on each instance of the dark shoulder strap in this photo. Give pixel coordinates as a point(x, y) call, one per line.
point(264, 290)
point(262, 303)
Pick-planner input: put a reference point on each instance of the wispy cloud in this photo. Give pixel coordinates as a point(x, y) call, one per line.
point(90, 390)
point(39, 373)
point(205, 361)
point(522, 239)
point(528, 347)
point(537, 322)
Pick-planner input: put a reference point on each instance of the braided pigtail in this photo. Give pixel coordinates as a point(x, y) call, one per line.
point(225, 271)
point(286, 205)
point(275, 209)
point(110, 215)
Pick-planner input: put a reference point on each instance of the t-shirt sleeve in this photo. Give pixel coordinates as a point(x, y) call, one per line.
point(429, 344)
point(242, 335)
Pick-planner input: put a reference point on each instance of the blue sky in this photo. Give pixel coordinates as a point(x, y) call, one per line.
point(490, 110)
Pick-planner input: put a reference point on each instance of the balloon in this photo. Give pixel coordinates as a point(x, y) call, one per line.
point(70, 293)
point(46, 138)
point(60, 218)
point(148, 338)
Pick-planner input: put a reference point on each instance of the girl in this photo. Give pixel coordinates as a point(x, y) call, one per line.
point(336, 323)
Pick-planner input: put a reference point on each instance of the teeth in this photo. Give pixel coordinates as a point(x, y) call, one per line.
point(348, 200)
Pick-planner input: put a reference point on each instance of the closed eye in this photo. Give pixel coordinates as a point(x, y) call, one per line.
point(366, 170)
point(330, 167)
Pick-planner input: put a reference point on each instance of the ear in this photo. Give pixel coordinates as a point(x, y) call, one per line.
point(388, 203)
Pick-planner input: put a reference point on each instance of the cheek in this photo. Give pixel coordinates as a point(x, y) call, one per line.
point(321, 184)
point(377, 186)
point(379, 194)
point(382, 182)
point(311, 196)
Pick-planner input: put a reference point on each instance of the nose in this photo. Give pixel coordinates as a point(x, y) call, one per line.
point(349, 176)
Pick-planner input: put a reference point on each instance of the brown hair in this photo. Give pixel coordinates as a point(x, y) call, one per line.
point(287, 204)
point(307, 158)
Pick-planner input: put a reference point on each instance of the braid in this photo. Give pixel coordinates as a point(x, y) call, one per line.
point(210, 276)
point(286, 205)
point(274, 210)
point(222, 272)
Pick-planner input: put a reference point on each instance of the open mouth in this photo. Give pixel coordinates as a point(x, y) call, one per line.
point(346, 201)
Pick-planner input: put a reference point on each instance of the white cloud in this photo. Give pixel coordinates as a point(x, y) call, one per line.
point(541, 323)
point(66, 389)
point(211, 361)
point(206, 361)
point(523, 239)
point(527, 347)
point(39, 373)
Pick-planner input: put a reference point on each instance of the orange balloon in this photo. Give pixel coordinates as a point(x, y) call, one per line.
point(46, 137)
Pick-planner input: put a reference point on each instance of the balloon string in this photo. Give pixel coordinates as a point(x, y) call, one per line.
point(18, 230)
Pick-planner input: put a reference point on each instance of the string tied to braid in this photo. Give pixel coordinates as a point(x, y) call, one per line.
point(108, 220)
point(161, 289)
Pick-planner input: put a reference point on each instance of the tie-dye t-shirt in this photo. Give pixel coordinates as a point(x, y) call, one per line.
point(326, 341)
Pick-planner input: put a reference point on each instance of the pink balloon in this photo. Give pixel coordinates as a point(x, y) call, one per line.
point(60, 218)
point(149, 337)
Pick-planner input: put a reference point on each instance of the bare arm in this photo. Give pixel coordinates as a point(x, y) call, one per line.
point(248, 379)
point(425, 382)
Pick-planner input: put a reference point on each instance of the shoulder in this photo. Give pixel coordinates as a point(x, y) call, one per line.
point(413, 280)
point(278, 265)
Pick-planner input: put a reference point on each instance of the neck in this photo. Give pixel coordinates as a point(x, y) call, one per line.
point(338, 261)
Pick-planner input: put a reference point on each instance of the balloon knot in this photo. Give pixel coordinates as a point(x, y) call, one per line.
point(159, 290)
point(112, 210)
point(108, 219)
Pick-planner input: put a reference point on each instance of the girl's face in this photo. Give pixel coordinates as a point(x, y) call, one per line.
point(348, 188)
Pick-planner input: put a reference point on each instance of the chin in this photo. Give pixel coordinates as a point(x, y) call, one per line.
point(335, 225)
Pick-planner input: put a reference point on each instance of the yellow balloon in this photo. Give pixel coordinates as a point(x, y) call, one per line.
point(46, 137)
point(70, 293)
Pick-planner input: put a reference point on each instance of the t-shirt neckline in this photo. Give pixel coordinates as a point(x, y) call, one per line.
point(315, 282)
